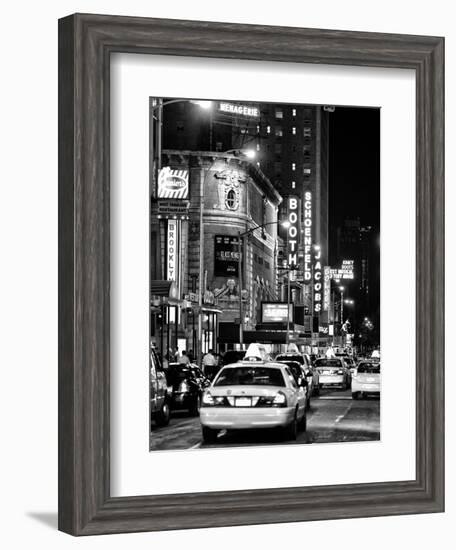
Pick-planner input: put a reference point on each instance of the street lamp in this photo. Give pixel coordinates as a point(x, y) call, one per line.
point(240, 237)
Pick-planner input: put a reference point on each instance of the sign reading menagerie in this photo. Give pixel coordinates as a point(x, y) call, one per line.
point(236, 109)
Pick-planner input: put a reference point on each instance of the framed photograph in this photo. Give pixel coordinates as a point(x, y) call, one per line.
point(251, 282)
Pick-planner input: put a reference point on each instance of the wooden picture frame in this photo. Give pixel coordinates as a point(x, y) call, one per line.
point(85, 45)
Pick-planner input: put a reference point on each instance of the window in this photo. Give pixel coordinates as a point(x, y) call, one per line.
point(293, 185)
point(180, 126)
point(279, 131)
point(248, 376)
point(293, 165)
point(278, 113)
point(278, 148)
point(258, 147)
point(293, 112)
point(307, 171)
point(293, 130)
point(231, 199)
point(268, 129)
point(307, 132)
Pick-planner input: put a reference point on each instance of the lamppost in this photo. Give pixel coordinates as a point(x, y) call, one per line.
point(240, 238)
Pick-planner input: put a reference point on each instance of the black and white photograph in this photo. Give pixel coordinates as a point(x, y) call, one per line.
point(264, 273)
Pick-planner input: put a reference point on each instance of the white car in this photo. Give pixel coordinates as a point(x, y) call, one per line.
point(253, 393)
point(333, 372)
point(366, 379)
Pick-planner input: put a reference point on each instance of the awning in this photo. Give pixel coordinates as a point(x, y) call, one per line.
point(167, 291)
point(163, 288)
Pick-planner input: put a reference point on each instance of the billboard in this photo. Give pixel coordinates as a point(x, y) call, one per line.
point(172, 184)
point(226, 256)
point(276, 312)
point(346, 271)
point(326, 288)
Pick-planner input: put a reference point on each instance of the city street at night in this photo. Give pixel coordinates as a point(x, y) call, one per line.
point(333, 417)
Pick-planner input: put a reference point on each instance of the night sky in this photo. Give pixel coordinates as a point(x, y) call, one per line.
point(354, 166)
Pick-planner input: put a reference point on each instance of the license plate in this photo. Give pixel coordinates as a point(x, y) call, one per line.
point(243, 402)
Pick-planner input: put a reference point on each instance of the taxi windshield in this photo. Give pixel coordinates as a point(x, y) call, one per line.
point(250, 376)
point(327, 363)
point(369, 368)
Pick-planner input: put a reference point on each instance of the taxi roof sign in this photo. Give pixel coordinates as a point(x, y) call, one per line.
point(255, 352)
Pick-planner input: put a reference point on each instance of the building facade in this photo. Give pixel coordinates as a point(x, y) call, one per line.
point(222, 264)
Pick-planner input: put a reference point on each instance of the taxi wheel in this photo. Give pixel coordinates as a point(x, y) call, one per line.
point(209, 435)
point(355, 395)
point(291, 431)
point(303, 423)
point(162, 416)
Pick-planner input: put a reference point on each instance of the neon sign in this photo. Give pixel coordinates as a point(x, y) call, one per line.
point(293, 230)
point(317, 282)
point(307, 236)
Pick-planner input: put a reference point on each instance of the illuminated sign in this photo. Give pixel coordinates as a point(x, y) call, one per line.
point(236, 109)
point(317, 282)
point(226, 256)
point(345, 272)
point(326, 288)
point(172, 184)
point(276, 312)
point(293, 231)
point(307, 236)
point(171, 255)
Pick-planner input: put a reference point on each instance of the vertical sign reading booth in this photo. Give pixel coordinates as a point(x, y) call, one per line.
point(307, 237)
point(293, 231)
point(171, 254)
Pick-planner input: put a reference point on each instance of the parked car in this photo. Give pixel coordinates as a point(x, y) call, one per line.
point(366, 379)
point(333, 372)
point(253, 393)
point(159, 402)
point(312, 374)
point(186, 384)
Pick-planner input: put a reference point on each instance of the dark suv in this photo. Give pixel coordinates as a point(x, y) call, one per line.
point(159, 402)
point(186, 384)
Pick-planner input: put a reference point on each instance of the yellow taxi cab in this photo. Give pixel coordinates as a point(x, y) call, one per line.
point(254, 393)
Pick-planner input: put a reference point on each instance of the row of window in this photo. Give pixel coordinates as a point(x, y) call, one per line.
point(278, 131)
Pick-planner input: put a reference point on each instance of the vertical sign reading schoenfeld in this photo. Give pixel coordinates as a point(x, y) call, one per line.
point(293, 231)
point(307, 237)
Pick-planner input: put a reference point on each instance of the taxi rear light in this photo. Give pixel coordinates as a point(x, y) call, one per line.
point(214, 401)
point(278, 400)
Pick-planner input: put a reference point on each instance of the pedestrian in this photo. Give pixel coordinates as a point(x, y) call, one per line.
point(183, 359)
point(210, 367)
point(191, 356)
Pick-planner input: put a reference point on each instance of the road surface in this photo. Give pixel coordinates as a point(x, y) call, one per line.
point(333, 416)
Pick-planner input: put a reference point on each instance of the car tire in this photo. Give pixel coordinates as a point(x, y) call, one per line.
point(302, 425)
point(209, 435)
point(317, 390)
point(195, 406)
point(162, 416)
point(355, 395)
point(291, 431)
